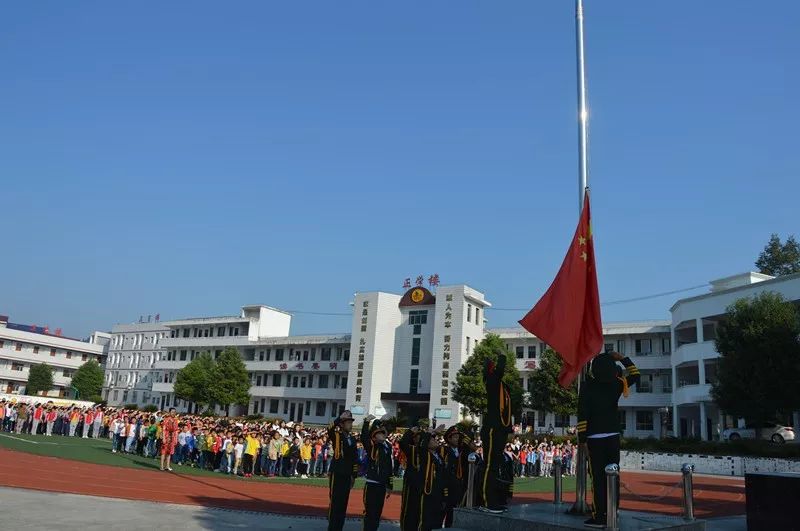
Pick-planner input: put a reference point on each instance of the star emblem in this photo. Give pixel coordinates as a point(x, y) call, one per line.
point(584, 256)
point(581, 240)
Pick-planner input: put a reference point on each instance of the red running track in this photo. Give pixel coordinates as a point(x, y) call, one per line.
point(714, 496)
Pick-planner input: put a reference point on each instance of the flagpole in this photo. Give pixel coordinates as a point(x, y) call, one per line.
point(580, 506)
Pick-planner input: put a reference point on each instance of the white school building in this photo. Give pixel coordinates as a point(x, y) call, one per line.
point(403, 351)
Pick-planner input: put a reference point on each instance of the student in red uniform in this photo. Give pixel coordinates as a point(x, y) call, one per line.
point(50, 419)
point(38, 415)
point(88, 418)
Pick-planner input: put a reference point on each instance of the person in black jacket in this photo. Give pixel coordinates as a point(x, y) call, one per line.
point(494, 433)
point(409, 503)
point(378, 485)
point(343, 469)
point(433, 481)
point(598, 422)
point(455, 452)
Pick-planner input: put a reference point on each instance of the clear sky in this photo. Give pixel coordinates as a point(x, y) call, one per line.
point(186, 158)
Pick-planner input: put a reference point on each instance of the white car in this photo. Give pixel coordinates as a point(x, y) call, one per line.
point(769, 431)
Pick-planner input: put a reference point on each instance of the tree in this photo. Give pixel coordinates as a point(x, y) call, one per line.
point(759, 364)
point(469, 389)
point(778, 258)
point(193, 382)
point(230, 383)
point(88, 379)
point(40, 378)
point(545, 392)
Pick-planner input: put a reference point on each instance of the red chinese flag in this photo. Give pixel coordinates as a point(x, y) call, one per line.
point(568, 316)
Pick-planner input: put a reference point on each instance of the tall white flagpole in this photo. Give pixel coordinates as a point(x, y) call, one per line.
point(580, 506)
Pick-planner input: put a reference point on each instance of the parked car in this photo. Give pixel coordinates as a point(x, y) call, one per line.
point(769, 431)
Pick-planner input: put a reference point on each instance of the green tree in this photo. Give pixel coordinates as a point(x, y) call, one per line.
point(759, 364)
point(469, 389)
point(88, 380)
point(40, 378)
point(193, 382)
point(230, 383)
point(545, 392)
point(778, 258)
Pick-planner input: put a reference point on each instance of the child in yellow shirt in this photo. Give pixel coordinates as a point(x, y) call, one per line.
point(251, 446)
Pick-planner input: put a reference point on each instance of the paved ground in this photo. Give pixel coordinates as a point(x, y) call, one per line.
point(715, 496)
point(30, 509)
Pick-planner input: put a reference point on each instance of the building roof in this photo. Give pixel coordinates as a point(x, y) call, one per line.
point(761, 284)
point(618, 328)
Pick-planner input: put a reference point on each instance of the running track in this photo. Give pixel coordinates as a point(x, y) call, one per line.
point(714, 496)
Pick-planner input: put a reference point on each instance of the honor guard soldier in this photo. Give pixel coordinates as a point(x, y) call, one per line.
point(343, 468)
point(378, 485)
point(598, 422)
point(455, 453)
point(409, 503)
point(433, 481)
point(494, 434)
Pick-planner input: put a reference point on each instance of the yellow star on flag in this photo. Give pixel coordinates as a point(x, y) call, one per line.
point(584, 256)
point(581, 240)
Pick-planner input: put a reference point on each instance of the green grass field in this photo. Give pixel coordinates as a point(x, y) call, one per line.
point(98, 451)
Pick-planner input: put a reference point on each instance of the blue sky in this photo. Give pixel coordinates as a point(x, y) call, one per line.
point(191, 157)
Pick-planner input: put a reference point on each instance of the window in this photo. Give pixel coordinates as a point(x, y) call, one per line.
point(541, 418)
point(278, 354)
point(221, 331)
point(276, 380)
point(623, 420)
point(346, 354)
point(520, 352)
point(67, 373)
point(418, 317)
point(273, 405)
point(562, 421)
point(302, 381)
point(477, 316)
point(469, 313)
point(643, 347)
point(621, 346)
point(52, 352)
point(644, 420)
point(186, 332)
point(18, 347)
point(116, 395)
point(468, 345)
point(645, 384)
point(412, 386)
point(35, 349)
point(415, 346)
point(336, 380)
point(17, 366)
point(666, 383)
point(69, 355)
point(285, 407)
point(532, 351)
point(2, 343)
point(325, 355)
point(322, 381)
point(608, 347)
point(183, 354)
point(321, 406)
point(344, 382)
point(666, 347)
point(305, 355)
point(83, 356)
point(205, 332)
point(530, 385)
point(258, 381)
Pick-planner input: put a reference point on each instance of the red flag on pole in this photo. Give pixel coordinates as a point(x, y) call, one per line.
point(567, 317)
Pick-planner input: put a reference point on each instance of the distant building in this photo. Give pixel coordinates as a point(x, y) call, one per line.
point(694, 362)
point(133, 352)
point(23, 345)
